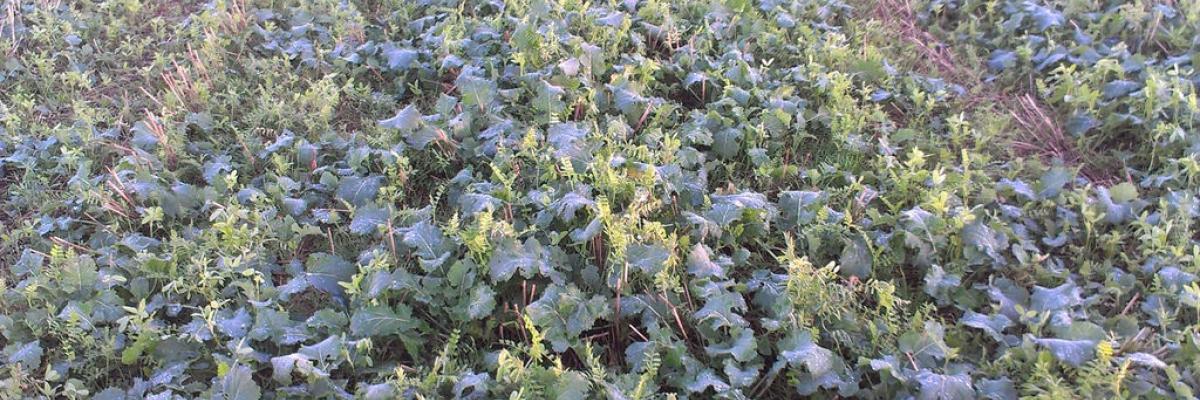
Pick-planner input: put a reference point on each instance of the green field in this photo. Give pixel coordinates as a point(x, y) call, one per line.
point(606, 199)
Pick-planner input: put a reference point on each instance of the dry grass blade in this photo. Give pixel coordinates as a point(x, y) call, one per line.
point(11, 23)
point(160, 132)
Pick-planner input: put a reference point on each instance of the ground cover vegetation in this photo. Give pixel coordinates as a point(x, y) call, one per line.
point(634, 199)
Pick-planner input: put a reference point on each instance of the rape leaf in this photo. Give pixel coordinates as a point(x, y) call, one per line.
point(944, 387)
point(238, 384)
point(359, 190)
point(1073, 352)
point(380, 321)
point(325, 271)
point(368, 219)
point(407, 120)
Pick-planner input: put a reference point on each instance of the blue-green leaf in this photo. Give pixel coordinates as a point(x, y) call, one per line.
point(407, 120)
point(483, 301)
point(28, 354)
point(647, 258)
point(368, 219)
point(701, 265)
point(742, 348)
point(944, 387)
point(238, 384)
point(993, 325)
point(380, 321)
point(326, 270)
point(1073, 352)
point(359, 190)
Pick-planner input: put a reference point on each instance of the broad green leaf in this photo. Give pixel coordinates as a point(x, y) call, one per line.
point(800, 351)
point(238, 384)
point(1054, 299)
point(571, 385)
point(856, 259)
point(705, 380)
point(78, 275)
point(993, 325)
point(701, 265)
point(1073, 352)
point(380, 321)
point(483, 301)
point(407, 120)
point(427, 243)
point(742, 348)
point(1123, 192)
point(27, 354)
point(30, 262)
point(368, 219)
point(530, 258)
point(476, 92)
point(359, 190)
point(721, 307)
point(283, 366)
point(939, 284)
point(326, 350)
point(926, 345)
point(326, 270)
point(979, 240)
point(647, 258)
point(996, 389)
point(1053, 181)
point(381, 391)
point(944, 387)
point(564, 313)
